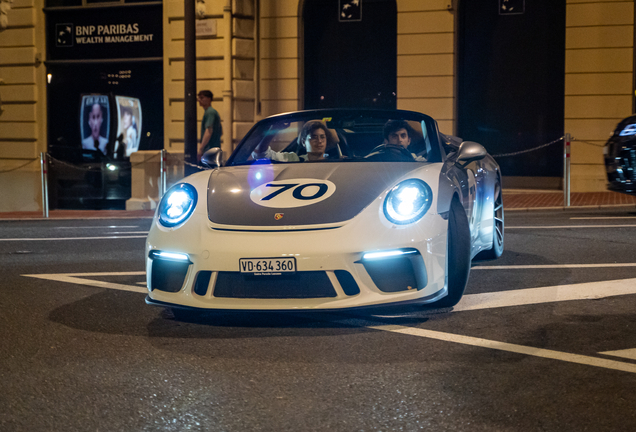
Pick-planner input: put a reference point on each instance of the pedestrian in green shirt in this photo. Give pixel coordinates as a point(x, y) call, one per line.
point(211, 129)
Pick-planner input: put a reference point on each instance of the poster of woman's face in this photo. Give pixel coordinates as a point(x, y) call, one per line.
point(95, 122)
point(129, 126)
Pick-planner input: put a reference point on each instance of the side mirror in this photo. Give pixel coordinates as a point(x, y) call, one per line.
point(212, 158)
point(470, 151)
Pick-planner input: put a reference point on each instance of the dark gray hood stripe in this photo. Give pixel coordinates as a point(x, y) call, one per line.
point(357, 185)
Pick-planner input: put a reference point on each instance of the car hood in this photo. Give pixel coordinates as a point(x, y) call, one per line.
point(271, 195)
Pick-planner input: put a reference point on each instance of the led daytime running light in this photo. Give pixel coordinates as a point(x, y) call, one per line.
point(386, 254)
point(175, 256)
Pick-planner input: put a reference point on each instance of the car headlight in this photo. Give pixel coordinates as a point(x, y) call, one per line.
point(177, 204)
point(408, 201)
point(628, 130)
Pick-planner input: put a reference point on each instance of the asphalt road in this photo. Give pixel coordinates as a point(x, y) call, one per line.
point(543, 340)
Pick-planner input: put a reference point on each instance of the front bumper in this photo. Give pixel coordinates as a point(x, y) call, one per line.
point(331, 273)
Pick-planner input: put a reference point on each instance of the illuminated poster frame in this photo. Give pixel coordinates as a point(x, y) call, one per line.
point(129, 124)
point(95, 122)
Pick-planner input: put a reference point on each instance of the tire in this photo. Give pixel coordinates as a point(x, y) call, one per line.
point(497, 229)
point(457, 255)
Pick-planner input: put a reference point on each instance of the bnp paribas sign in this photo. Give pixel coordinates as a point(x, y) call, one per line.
point(113, 33)
point(104, 33)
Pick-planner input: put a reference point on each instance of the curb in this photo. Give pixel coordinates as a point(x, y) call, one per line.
point(72, 218)
point(570, 208)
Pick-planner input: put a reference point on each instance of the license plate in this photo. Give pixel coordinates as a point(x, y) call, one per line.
point(267, 266)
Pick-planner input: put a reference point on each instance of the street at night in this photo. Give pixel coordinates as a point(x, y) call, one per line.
point(542, 340)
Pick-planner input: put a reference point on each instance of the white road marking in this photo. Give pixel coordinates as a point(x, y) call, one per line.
point(129, 232)
point(568, 226)
point(581, 291)
point(71, 238)
point(99, 226)
point(130, 273)
point(551, 266)
point(500, 346)
point(469, 302)
point(626, 353)
point(521, 297)
point(72, 278)
point(606, 217)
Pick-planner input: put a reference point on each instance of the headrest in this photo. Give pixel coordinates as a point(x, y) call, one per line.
point(333, 134)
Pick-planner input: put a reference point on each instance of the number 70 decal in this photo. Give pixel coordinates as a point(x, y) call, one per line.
point(292, 193)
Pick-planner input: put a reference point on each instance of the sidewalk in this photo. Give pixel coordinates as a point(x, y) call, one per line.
point(514, 199)
point(79, 214)
point(519, 199)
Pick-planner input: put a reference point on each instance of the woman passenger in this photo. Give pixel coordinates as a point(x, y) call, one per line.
point(314, 137)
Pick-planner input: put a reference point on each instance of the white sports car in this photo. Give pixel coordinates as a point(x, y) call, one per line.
point(328, 209)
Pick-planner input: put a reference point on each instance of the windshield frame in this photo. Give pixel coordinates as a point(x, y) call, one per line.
point(430, 123)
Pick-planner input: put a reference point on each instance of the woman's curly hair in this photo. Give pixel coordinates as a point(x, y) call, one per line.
point(308, 129)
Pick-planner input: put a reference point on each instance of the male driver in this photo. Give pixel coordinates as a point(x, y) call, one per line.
point(211, 129)
point(399, 132)
point(95, 141)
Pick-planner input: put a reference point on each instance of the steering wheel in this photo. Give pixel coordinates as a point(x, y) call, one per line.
point(390, 152)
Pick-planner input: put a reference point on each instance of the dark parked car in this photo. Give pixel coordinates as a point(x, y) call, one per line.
point(620, 157)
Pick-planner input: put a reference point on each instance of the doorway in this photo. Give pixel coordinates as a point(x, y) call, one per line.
point(350, 53)
point(511, 81)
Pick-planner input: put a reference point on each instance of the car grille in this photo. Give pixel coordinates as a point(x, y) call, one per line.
point(301, 285)
point(168, 276)
point(202, 282)
point(397, 274)
point(347, 282)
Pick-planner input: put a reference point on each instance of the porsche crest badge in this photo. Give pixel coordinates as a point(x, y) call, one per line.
point(278, 216)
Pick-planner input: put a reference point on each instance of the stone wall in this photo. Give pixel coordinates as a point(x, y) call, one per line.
point(23, 109)
point(598, 82)
point(210, 58)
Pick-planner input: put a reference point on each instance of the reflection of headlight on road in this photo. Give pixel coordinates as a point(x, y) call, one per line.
point(177, 205)
point(111, 167)
point(408, 201)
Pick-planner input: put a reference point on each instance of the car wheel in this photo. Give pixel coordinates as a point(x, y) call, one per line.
point(457, 255)
point(497, 229)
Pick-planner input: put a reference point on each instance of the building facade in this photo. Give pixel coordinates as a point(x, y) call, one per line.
point(262, 57)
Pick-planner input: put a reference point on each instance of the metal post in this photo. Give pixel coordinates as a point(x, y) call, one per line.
point(566, 170)
point(228, 94)
point(257, 60)
point(45, 186)
point(162, 189)
point(190, 147)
